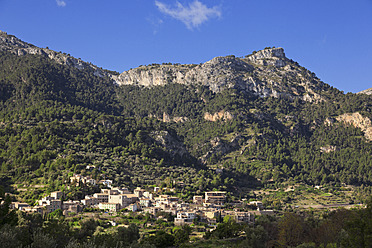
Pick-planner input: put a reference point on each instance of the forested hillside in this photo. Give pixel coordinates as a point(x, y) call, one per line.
point(56, 119)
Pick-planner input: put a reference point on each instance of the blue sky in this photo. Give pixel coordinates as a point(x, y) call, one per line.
point(332, 38)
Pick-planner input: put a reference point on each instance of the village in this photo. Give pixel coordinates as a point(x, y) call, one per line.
point(207, 208)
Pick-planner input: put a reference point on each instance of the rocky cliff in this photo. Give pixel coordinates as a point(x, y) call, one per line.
point(358, 121)
point(265, 73)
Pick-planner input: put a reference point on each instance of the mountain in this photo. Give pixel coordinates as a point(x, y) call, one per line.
point(265, 73)
point(236, 124)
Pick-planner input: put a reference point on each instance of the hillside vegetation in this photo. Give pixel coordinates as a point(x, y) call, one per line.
point(56, 119)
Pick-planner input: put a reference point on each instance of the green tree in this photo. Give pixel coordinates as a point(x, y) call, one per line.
point(228, 229)
point(7, 216)
point(256, 237)
point(161, 239)
point(182, 235)
point(291, 230)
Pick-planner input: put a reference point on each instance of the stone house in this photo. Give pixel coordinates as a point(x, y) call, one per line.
point(134, 207)
point(184, 218)
point(101, 197)
point(123, 200)
point(89, 201)
point(145, 202)
point(112, 207)
point(197, 199)
point(215, 197)
point(72, 207)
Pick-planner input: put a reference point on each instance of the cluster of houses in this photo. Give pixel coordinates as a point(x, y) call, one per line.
point(77, 179)
point(206, 208)
point(49, 204)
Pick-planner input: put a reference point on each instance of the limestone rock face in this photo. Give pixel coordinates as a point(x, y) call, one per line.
point(271, 56)
point(217, 74)
point(221, 115)
point(358, 121)
point(328, 149)
point(264, 73)
point(16, 46)
point(167, 118)
point(329, 121)
point(367, 91)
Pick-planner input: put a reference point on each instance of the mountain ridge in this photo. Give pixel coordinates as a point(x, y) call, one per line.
point(264, 73)
point(16, 46)
point(267, 72)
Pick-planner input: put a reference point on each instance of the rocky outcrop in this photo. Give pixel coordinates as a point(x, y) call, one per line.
point(328, 149)
point(180, 119)
point(221, 115)
point(16, 46)
point(358, 121)
point(217, 74)
point(329, 121)
point(220, 147)
point(264, 73)
point(270, 56)
point(367, 91)
point(170, 143)
point(167, 118)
